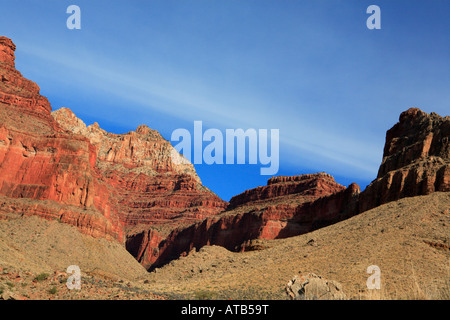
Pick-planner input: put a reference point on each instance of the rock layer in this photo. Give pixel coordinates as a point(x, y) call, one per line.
point(308, 202)
point(15, 89)
point(117, 186)
point(416, 160)
point(40, 161)
point(129, 187)
point(150, 192)
point(308, 184)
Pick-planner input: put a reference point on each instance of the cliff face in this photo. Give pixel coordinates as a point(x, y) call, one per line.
point(314, 185)
point(146, 184)
point(128, 187)
point(40, 161)
point(124, 187)
point(416, 159)
point(286, 207)
point(149, 192)
point(143, 150)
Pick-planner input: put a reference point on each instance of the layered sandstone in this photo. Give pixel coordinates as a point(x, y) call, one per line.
point(132, 187)
point(286, 207)
point(15, 89)
point(147, 184)
point(40, 161)
point(115, 186)
point(150, 192)
point(308, 184)
point(416, 159)
point(141, 151)
point(88, 221)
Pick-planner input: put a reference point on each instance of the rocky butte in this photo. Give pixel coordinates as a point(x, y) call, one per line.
point(126, 188)
point(416, 160)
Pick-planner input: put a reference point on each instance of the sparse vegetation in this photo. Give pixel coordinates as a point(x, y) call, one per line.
point(41, 277)
point(444, 292)
point(204, 295)
point(53, 290)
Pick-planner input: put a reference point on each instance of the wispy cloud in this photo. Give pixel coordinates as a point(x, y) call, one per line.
point(183, 97)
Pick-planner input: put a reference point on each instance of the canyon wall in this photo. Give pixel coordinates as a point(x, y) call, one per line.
point(129, 187)
point(416, 160)
point(40, 161)
point(286, 207)
point(117, 186)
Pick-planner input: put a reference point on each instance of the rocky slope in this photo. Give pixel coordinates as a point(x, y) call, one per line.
point(43, 246)
point(408, 239)
point(35, 254)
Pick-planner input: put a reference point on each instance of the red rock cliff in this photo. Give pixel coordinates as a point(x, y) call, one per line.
point(151, 193)
point(286, 207)
point(416, 159)
point(129, 188)
point(39, 161)
point(118, 186)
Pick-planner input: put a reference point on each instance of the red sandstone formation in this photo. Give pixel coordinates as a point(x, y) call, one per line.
point(127, 186)
point(416, 159)
point(286, 207)
point(39, 161)
point(123, 187)
point(308, 184)
point(87, 220)
point(16, 90)
point(150, 192)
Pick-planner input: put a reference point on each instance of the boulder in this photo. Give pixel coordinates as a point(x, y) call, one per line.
point(309, 286)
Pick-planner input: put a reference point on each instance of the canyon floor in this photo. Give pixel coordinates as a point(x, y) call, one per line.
point(408, 239)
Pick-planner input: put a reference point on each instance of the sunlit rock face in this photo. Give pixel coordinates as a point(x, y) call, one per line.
point(116, 186)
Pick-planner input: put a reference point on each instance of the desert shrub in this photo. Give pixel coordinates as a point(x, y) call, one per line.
point(41, 277)
point(204, 295)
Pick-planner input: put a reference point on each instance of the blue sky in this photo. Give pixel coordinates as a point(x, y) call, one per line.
point(311, 69)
